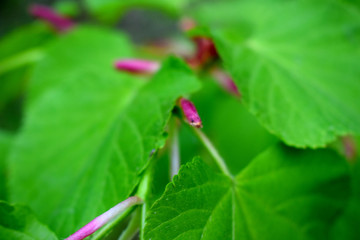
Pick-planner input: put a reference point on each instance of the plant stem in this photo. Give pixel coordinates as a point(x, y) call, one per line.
point(143, 192)
point(133, 228)
point(212, 150)
point(143, 217)
point(174, 150)
point(104, 218)
point(108, 227)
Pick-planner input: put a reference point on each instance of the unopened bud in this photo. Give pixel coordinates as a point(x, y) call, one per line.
point(60, 23)
point(137, 66)
point(187, 24)
point(190, 113)
point(349, 148)
point(225, 81)
point(205, 52)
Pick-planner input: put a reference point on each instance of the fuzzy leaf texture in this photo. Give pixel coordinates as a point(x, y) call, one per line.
point(295, 63)
point(19, 223)
point(282, 194)
point(87, 137)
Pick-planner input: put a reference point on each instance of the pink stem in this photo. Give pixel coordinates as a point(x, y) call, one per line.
point(104, 218)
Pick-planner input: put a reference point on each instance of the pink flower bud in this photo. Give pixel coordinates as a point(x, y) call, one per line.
point(205, 52)
point(190, 113)
point(187, 24)
point(349, 146)
point(137, 66)
point(225, 81)
point(104, 218)
point(59, 22)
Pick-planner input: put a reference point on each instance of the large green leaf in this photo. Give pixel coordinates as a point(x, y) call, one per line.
point(86, 139)
point(282, 194)
point(19, 223)
point(85, 48)
point(296, 64)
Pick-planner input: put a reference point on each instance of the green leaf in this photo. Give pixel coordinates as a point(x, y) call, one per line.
point(347, 225)
point(89, 133)
point(85, 48)
point(17, 56)
point(69, 8)
point(6, 140)
point(282, 194)
point(19, 223)
point(14, 43)
point(110, 10)
point(296, 64)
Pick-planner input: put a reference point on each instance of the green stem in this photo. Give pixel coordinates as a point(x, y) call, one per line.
point(133, 228)
point(20, 59)
point(143, 218)
point(104, 231)
point(212, 150)
point(143, 192)
point(174, 148)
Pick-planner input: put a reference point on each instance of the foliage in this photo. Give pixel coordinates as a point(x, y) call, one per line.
point(275, 160)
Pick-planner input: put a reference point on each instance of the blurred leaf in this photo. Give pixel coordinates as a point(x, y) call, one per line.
point(299, 76)
point(35, 35)
point(282, 194)
point(6, 140)
point(347, 225)
point(19, 223)
point(89, 130)
point(68, 8)
point(110, 10)
point(19, 50)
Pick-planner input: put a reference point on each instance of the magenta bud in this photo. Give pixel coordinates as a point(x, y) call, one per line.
point(205, 52)
point(190, 112)
point(349, 146)
point(187, 24)
point(137, 66)
point(225, 82)
point(60, 23)
point(104, 218)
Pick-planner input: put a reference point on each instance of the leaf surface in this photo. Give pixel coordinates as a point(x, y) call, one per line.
point(347, 224)
point(84, 49)
point(89, 133)
point(6, 140)
point(282, 194)
point(18, 56)
point(19, 223)
point(296, 64)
